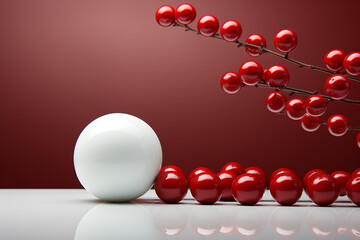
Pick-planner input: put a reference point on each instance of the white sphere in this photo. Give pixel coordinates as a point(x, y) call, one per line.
point(117, 157)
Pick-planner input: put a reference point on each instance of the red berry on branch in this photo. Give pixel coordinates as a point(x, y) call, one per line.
point(280, 171)
point(338, 125)
point(277, 76)
point(337, 86)
point(227, 179)
point(185, 14)
point(165, 16)
point(358, 140)
point(285, 40)
point(233, 166)
point(247, 189)
point(341, 177)
point(230, 82)
point(275, 102)
point(208, 25)
point(295, 108)
point(257, 40)
point(171, 187)
point(171, 168)
point(322, 189)
point(353, 189)
point(206, 188)
point(196, 172)
point(259, 172)
point(231, 31)
point(316, 105)
point(251, 73)
point(310, 123)
point(286, 188)
point(334, 60)
point(352, 64)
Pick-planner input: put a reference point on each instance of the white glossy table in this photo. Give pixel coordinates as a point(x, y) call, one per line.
point(75, 214)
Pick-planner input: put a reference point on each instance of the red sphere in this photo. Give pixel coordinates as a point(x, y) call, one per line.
point(356, 172)
point(334, 60)
point(185, 14)
point(165, 16)
point(247, 189)
point(208, 25)
point(338, 125)
point(171, 168)
point(352, 64)
point(295, 108)
point(310, 123)
point(337, 86)
point(353, 189)
point(316, 105)
point(230, 82)
point(322, 189)
point(277, 76)
point(231, 30)
point(227, 179)
point(233, 166)
point(285, 40)
point(311, 173)
point(171, 187)
point(341, 178)
point(286, 188)
point(358, 140)
point(280, 171)
point(275, 102)
point(251, 73)
point(196, 172)
point(259, 172)
point(206, 188)
point(257, 40)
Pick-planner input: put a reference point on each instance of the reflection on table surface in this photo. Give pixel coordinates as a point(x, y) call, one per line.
point(77, 215)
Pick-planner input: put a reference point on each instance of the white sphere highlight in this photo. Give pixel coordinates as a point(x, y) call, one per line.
point(117, 157)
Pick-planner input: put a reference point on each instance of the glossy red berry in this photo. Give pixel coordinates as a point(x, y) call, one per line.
point(230, 82)
point(277, 76)
point(316, 105)
point(257, 40)
point(356, 172)
point(311, 173)
point(206, 188)
point(185, 14)
point(196, 172)
point(334, 60)
point(353, 189)
point(295, 108)
point(280, 171)
point(285, 40)
point(310, 123)
point(231, 31)
point(275, 102)
point(247, 189)
point(227, 179)
point(250, 73)
point(338, 125)
point(337, 86)
point(208, 25)
point(286, 188)
point(341, 177)
point(237, 168)
point(165, 16)
point(171, 187)
point(260, 173)
point(322, 189)
point(352, 64)
point(358, 140)
point(171, 168)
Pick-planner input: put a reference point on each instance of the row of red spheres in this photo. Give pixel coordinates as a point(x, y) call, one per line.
point(247, 186)
point(285, 40)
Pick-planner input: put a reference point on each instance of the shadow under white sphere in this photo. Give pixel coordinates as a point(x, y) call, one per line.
point(117, 157)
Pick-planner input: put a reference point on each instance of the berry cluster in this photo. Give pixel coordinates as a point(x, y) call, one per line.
point(342, 67)
point(247, 186)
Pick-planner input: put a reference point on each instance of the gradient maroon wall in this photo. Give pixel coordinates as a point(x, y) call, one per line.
point(65, 63)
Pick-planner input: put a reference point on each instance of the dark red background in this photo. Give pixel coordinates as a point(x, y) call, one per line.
point(65, 63)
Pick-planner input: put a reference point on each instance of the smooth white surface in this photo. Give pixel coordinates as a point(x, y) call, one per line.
point(76, 214)
point(117, 157)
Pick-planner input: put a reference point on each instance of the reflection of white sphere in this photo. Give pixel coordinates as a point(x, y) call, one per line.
point(117, 221)
point(117, 157)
